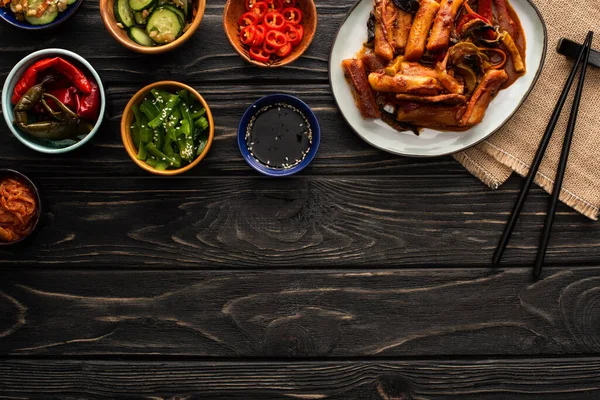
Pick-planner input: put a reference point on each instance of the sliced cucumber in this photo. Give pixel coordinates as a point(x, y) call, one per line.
point(139, 5)
point(180, 4)
point(179, 12)
point(48, 16)
point(71, 2)
point(123, 13)
point(140, 36)
point(164, 25)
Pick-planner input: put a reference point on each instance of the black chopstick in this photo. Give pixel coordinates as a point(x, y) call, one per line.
point(562, 165)
point(510, 226)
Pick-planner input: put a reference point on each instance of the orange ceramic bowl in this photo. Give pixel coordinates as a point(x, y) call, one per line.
point(108, 17)
point(234, 10)
point(127, 120)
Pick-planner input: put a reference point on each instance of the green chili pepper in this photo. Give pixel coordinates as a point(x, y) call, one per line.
point(166, 111)
point(201, 123)
point(185, 95)
point(160, 94)
point(173, 160)
point(186, 129)
point(135, 128)
point(198, 114)
point(187, 119)
point(161, 166)
point(149, 109)
point(142, 155)
point(151, 161)
point(202, 144)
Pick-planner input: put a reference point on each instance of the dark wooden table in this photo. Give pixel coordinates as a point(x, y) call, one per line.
point(365, 277)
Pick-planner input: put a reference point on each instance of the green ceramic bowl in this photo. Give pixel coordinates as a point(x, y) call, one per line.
point(42, 145)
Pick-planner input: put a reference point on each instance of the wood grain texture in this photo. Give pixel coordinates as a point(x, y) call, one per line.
point(297, 315)
point(577, 379)
point(266, 223)
point(341, 152)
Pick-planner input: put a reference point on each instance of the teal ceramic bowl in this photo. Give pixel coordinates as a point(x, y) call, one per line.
point(43, 145)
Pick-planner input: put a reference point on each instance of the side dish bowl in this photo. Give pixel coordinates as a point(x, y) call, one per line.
point(273, 100)
point(128, 117)
point(41, 145)
point(10, 173)
point(433, 142)
point(121, 35)
point(7, 15)
point(234, 9)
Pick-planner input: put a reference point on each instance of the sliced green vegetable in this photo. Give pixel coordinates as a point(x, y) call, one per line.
point(139, 5)
point(198, 114)
point(201, 123)
point(172, 160)
point(142, 155)
point(124, 14)
point(151, 161)
point(165, 112)
point(164, 25)
point(140, 36)
point(202, 144)
point(149, 109)
point(48, 16)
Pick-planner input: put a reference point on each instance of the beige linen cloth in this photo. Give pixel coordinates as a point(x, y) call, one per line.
point(514, 146)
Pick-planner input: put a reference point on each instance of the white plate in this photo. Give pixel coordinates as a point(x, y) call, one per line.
point(431, 142)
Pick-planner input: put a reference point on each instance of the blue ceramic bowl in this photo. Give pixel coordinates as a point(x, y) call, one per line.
point(269, 100)
point(7, 15)
point(42, 145)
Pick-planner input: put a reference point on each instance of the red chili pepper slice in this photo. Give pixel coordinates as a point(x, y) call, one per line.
point(300, 30)
point(248, 34)
point(276, 39)
point(292, 34)
point(260, 9)
point(247, 19)
point(292, 15)
point(274, 20)
point(258, 54)
point(268, 48)
point(250, 3)
point(284, 51)
point(275, 5)
point(289, 3)
point(259, 36)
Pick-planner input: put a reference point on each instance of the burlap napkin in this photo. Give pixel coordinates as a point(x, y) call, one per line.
point(513, 147)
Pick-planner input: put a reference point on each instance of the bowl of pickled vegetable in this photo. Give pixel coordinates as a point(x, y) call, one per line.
point(152, 26)
point(35, 15)
point(167, 128)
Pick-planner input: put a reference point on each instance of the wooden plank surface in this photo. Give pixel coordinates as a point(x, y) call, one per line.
point(364, 278)
point(260, 222)
point(574, 379)
point(303, 314)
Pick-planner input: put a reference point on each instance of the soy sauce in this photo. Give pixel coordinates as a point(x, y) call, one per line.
point(279, 136)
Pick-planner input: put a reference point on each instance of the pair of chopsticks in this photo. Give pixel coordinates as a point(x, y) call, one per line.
point(582, 59)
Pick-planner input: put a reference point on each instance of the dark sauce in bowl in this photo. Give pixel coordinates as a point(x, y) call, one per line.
point(279, 136)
